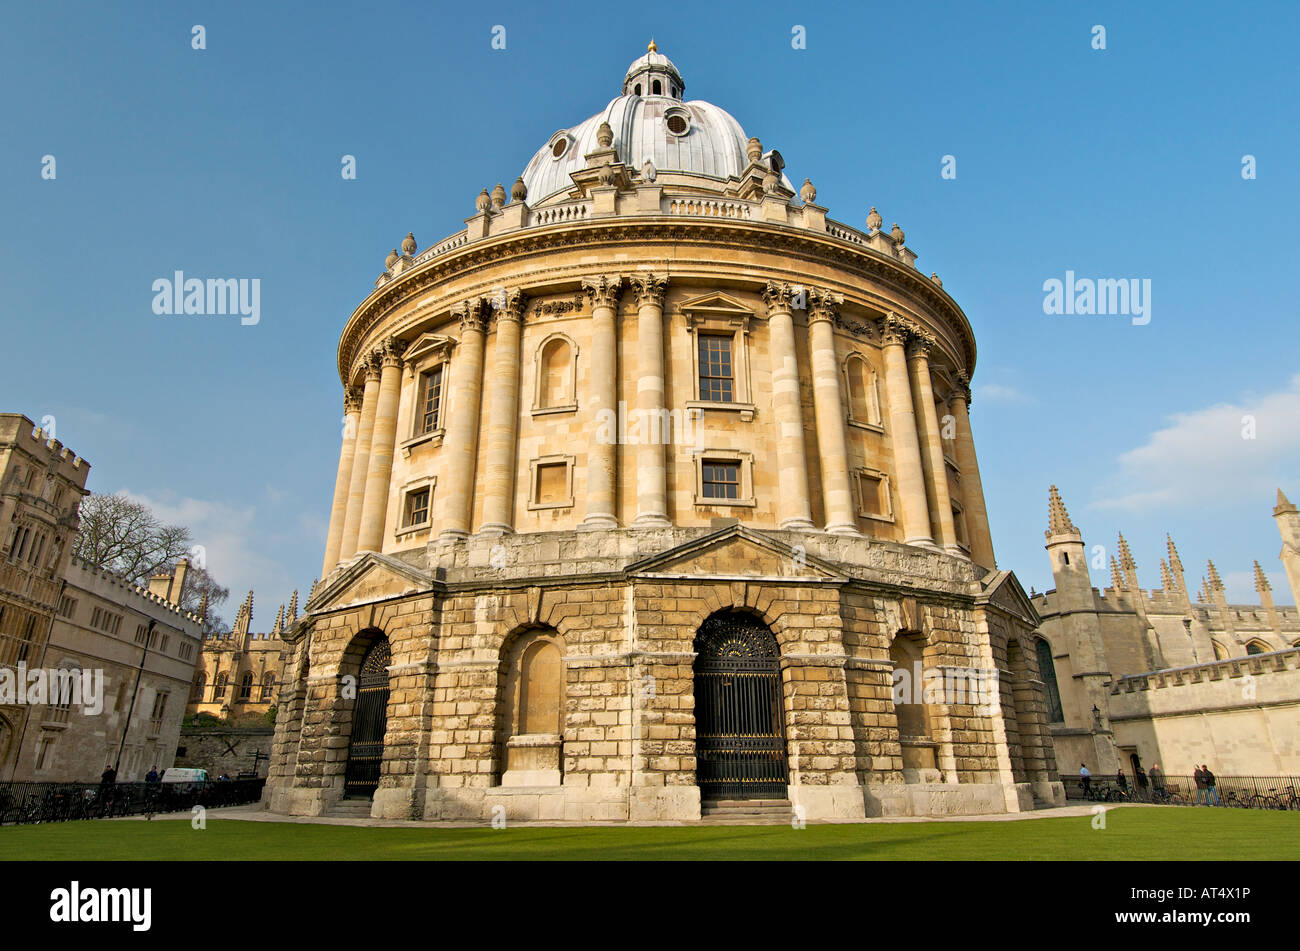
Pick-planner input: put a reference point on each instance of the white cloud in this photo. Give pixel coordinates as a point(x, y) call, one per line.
point(999, 393)
point(1202, 455)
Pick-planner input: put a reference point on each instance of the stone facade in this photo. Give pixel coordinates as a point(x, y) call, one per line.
point(239, 672)
point(579, 429)
point(1173, 679)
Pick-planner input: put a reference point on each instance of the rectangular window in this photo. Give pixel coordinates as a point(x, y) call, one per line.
point(552, 483)
point(67, 607)
point(716, 375)
point(417, 508)
point(721, 480)
point(430, 401)
point(872, 489)
point(141, 633)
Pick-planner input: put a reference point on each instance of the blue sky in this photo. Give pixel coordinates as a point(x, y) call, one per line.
point(225, 162)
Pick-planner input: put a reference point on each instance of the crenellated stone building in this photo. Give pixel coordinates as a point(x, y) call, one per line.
point(655, 482)
point(1159, 676)
point(239, 671)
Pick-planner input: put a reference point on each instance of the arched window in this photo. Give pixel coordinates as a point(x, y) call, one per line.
point(1047, 673)
point(196, 691)
point(864, 396)
point(556, 363)
point(246, 686)
point(268, 686)
point(1220, 652)
point(637, 89)
point(1257, 647)
point(657, 89)
point(219, 691)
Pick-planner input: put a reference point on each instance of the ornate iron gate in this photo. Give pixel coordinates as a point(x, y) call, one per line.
point(369, 718)
point(739, 727)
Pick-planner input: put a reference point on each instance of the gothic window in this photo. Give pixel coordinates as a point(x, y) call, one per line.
point(219, 691)
point(268, 686)
point(1047, 673)
point(1220, 652)
point(657, 89)
point(196, 691)
point(1257, 647)
point(556, 368)
point(246, 686)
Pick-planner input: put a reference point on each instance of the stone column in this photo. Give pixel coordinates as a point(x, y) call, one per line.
point(602, 451)
point(360, 460)
point(651, 454)
point(503, 418)
point(972, 489)
point(338, 511)
point(460, 445)
point(379, 468)
point(894, 332)
point(932, 464)
point(794, 511)
point(828, 407)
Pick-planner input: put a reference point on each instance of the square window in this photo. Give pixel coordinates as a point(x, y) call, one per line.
point(417, 508)
point(721, 479)
point(873, 498)
point(716, 374)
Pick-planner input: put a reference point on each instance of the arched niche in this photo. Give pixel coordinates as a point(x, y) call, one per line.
point(532, 709)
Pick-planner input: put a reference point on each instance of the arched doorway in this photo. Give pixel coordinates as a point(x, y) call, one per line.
point(739, 726)
point(369, 719)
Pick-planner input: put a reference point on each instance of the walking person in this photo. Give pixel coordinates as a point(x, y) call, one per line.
point(1140, 779)
point(1199, 777)
point(1209, 785)
point(1085, 780)
point(1157, 783)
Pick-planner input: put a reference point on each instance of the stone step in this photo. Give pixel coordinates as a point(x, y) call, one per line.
point(747, 811)
point(350, 809)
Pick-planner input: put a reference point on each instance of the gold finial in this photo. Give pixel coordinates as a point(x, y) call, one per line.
point(653, 47)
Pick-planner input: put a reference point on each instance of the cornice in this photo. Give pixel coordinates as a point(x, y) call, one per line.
point(783, 240)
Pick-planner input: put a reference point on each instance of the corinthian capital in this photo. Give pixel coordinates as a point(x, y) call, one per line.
point(823, 304)
point(472, 314)
point(649, 288)
point(390, 352)
point(508, 303)
point(962, 389)
point(352, 400)
point(895, 330)
point(374, 365)
point(603, 290)
point(921, 344)
point(778, 296)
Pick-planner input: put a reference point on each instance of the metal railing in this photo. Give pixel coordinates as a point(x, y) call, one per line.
point(1242, 792)
point(60, 802)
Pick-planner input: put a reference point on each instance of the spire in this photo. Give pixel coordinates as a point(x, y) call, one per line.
point(1174, 562)
point(279, 621)
point(244, 616)
point(1058, 519)
point(1125, 556)
point(1116, 579)
point(311, 594)
point(1216, 583)
point(203, 607)
point(1261, 581)
point(1166, 578)
point(293, 608)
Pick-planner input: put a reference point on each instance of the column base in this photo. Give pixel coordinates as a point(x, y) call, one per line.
point(956, 552)
point(494, 530)
point(451, 535)
point(842, 528)
point(601, 522)
point(922, 541)
point(653, 520)
point(797, 525)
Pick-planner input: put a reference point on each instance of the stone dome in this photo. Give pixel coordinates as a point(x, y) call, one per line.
point(694, 138)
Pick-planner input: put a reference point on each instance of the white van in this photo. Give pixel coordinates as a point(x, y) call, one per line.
point(176, 774)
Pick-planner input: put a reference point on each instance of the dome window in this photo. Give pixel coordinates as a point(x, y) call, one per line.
point(657, 88)
point(559, 145)
point(678, 121)
point(637, 89)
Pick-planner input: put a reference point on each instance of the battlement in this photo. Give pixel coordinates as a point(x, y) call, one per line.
point(1254, 664)
point(81, 571)
point(19, 431)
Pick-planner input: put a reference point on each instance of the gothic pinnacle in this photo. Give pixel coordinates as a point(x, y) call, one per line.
point(1261, 580)
point(1058, 519)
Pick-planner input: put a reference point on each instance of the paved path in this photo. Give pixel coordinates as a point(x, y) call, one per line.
point(256, 813)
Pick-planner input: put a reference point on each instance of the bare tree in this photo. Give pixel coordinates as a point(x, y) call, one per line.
point(126, 537)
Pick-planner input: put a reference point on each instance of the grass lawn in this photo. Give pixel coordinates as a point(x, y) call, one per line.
point(1131, 833)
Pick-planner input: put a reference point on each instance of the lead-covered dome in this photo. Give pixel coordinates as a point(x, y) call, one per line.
point(695, 138)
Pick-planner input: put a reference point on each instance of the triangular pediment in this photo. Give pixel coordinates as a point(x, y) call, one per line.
point(369, 578)
point(736, 552)
point(1002, 590)
point(426, 344)
point(717, 304)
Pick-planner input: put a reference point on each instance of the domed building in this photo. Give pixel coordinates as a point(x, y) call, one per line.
point(658, 497)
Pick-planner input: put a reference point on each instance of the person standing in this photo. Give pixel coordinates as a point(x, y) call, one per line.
point(1140, 779)
point(1209, 785)
point(151, 776)
point(1157, 782)
point(109, 776)
point(1085, 780)
point(1122, 781)
point(1199, 777)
